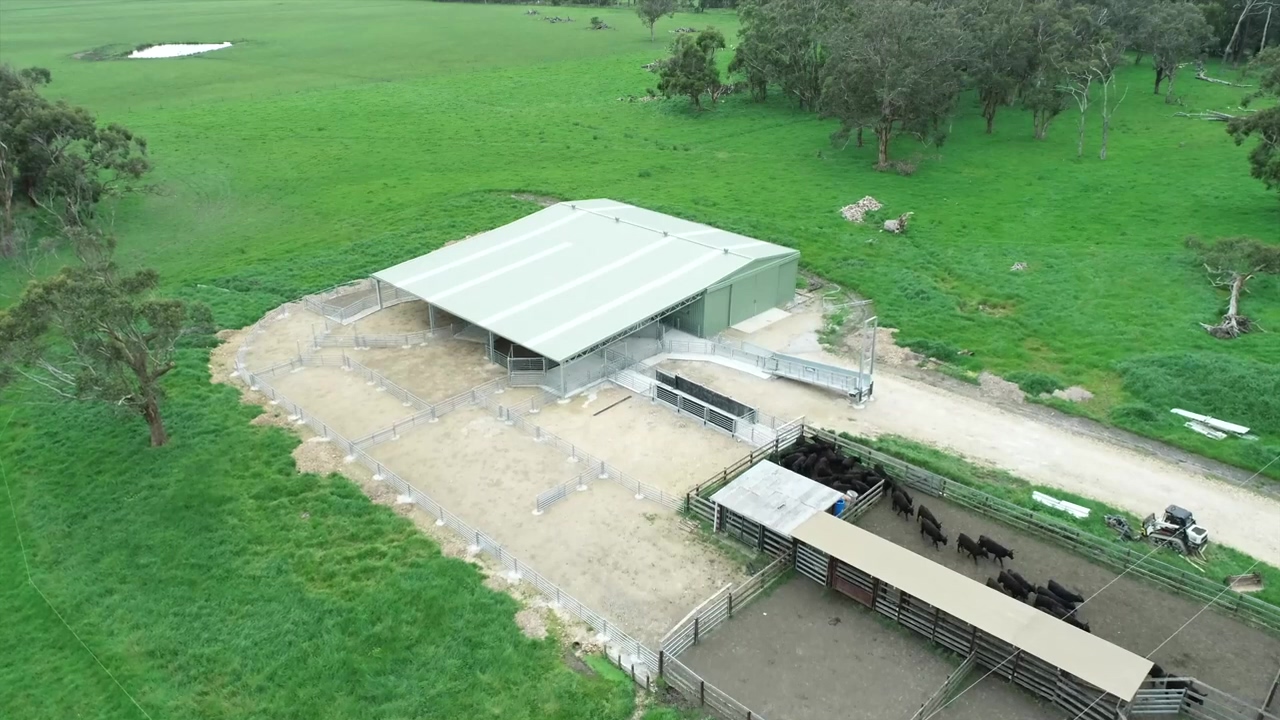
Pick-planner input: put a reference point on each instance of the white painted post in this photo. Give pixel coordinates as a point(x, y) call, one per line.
point(377, 288)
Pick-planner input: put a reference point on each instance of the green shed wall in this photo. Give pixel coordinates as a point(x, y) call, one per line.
point(715, 311)
point(764, 284)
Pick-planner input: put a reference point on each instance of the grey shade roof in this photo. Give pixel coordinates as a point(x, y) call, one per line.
point(568, 276)
point(776, 497)
point(1090, 658)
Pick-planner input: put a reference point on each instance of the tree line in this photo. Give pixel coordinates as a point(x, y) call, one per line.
point(895, 68)
point(93, 331)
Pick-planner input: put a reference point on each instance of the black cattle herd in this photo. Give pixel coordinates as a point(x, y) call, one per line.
point(822, 462)
point(1055, 599)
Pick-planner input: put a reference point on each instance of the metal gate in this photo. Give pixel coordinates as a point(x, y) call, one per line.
point(812, 563)
point(855, 583)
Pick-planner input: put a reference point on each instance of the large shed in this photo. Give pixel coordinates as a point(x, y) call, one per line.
point(574, 277)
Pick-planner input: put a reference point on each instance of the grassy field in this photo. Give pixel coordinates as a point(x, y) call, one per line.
point(339, 137)
point(337, 123)
point(217, 582)
point(359, 120)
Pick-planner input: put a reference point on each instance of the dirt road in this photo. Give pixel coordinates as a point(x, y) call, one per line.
point(984, 433)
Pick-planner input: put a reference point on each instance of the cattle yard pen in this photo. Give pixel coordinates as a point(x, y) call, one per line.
point(643, 665)
point(1192, 697)
point(1187, 695)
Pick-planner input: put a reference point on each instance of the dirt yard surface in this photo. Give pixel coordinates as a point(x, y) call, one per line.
point(991, 698)
point(286, 332)
point(649, 442)
point(627, 559)
point(1228, 655)
point(402, 318)
point(341, 399)
point(1033, 449)
point(436, 371)
point(805, 653)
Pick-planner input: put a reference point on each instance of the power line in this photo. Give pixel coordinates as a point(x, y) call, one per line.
point(1175, 632)
point(1014, 654)
point(4, 476)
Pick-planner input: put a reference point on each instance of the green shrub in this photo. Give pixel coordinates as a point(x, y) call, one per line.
point(935, 349)
point(1035, 383)
point(1234, 389)
point(1134, 413)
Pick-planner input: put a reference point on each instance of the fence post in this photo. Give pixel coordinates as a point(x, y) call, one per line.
point(662, 657)
point(695, 631)
point(702, 692)
point(730, 603)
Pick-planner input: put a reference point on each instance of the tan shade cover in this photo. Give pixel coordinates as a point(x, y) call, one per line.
point(1092, 659)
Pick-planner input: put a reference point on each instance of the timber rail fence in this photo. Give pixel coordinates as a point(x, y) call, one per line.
point(1134, 560)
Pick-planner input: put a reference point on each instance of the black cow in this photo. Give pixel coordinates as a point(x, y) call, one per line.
point(1046, 601)
point(998, 551)
point(964, 543)
point(996, 586)
point(1048, 604)
point(923, 513)
point(1071, 619)
point(934, 533)
point(1014, 587)
point(859, 487)
point(810, 462)
point(1022, 581)
point(1064, 593)
point(902, 504)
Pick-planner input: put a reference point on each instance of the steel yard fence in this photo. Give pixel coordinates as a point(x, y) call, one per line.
point(948, 687)
point(516, 416)
point(708, 696)
point(620, 646)
point(551, 496)
point(721, 606)
point(393, 340)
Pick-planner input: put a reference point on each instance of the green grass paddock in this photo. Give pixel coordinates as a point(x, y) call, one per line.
point(339, 137)
point(336, 122)
point(217, 582)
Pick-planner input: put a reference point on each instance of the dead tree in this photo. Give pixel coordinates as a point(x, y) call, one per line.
point(1232, 263)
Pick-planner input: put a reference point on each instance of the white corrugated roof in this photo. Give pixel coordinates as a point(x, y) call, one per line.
point(1088, 657)
point(573, 274)
point(776, 497)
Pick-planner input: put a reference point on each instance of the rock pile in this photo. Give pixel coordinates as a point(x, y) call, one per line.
point(857, 211)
